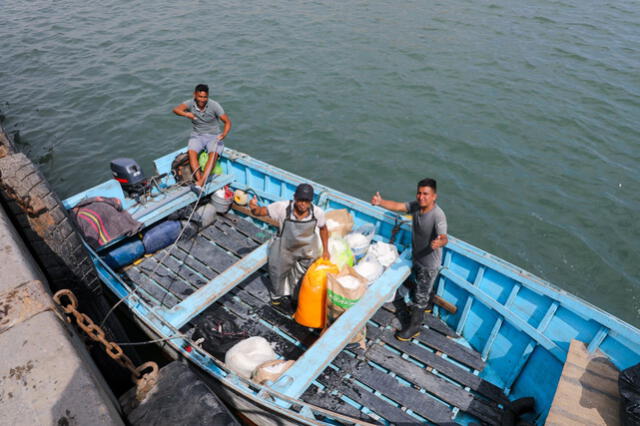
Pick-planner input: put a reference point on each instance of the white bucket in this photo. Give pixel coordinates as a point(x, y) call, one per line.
point(220, 202)
point(360, 239)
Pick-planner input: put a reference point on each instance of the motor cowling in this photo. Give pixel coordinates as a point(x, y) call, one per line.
point(130, 176)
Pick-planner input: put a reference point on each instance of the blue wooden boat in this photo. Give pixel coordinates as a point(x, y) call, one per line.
point(508, 338)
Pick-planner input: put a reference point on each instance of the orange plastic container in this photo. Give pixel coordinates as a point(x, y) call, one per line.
point(312, 299)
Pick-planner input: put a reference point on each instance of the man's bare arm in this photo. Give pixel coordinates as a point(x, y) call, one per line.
point(324, 236)
point(181, 110)
point(256, 209)
point(227, 126)
point(395, 206)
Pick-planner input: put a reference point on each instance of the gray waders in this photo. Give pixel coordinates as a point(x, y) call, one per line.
point(291, 253)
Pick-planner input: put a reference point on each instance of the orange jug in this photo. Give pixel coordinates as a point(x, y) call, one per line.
point(312, 299)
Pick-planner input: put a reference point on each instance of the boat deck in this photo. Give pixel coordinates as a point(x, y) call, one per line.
point(431, 378)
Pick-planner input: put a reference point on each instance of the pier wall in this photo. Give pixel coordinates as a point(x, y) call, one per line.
point(46, 373)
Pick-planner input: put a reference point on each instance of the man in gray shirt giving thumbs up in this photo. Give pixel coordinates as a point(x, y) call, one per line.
point(429, 229)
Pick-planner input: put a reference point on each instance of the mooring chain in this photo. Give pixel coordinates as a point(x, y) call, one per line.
point(144, 376)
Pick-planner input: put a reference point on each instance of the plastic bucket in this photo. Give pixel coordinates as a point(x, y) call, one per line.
point(220, 201)
point(205, 215)
point(367, 231)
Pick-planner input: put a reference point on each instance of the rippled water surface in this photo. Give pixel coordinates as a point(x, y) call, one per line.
point(527, 113)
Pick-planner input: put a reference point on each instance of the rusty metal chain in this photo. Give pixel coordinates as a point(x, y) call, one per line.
point(144, 376)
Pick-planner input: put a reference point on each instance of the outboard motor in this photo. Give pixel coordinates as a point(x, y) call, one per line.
point(130, 175)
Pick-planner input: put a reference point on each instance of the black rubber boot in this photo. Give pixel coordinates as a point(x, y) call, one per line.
point(415, 325)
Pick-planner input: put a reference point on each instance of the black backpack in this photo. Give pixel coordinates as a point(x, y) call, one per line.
point(220, 333)
point(181, 169)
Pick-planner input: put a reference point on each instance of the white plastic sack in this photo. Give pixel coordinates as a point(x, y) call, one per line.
point(247, 354)
point(370, 268)
point(385, 253)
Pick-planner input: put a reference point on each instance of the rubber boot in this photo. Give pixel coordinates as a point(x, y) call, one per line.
point(429, 308)
point(415, 325)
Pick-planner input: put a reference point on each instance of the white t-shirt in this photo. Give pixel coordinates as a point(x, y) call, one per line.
point(278, 211)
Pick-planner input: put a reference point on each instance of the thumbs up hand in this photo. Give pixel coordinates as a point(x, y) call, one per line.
point(376, 199)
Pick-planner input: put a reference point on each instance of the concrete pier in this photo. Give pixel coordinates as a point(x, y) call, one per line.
point(46, 373)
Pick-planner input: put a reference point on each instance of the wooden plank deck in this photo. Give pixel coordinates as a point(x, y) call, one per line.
point(587, 392)
point(438, 342)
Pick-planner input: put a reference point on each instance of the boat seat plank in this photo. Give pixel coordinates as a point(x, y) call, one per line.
point(208, 253)
point(587, 392)
point(316, 396)
point(246, 227)
point(444, 367)
point(437, 386)
point(438, 342)
point(430, 321)
point(229, 238)
point(407, 396)
point(217, 287)
point(160, 295)
point(169, 279)
point(175, 199)
point(334, 379)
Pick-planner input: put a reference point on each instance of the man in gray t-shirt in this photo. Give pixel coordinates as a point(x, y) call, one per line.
point(429, 235)
point(205, 115)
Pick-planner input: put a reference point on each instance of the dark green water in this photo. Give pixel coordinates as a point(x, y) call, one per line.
point(527, 113)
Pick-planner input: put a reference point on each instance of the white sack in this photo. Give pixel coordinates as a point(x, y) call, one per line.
point(385, 253)
point(370, 268)
point(247, 354)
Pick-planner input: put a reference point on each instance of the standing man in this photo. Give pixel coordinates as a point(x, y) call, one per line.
point(296, 246)
point(429, 235)
point(205, 115)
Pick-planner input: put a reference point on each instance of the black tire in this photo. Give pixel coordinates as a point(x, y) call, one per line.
point(48, 229)
point(53, 239)
point(179, 397)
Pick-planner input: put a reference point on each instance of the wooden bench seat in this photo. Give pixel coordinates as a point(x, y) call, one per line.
point(587, 392)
